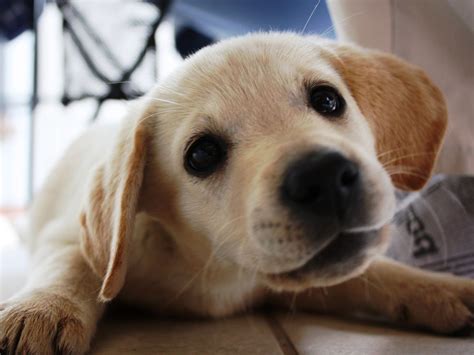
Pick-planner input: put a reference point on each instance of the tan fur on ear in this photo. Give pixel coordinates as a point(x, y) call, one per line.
point(405, 110)
point(109, 214)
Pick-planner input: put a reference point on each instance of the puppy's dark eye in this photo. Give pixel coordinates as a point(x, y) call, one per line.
point(204, 156)
point(327, 101)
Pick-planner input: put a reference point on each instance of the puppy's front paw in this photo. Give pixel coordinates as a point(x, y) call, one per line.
point(43, 323)
point(441, 303)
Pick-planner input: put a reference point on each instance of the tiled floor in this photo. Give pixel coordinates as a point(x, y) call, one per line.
point(287, 334)
point(142, 335)
point(125, 332)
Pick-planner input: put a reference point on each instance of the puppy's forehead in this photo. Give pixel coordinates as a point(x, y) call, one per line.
point(253, 78)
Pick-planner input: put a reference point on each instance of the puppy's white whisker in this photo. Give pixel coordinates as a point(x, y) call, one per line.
point(413, 155)
point(401, 171)
point(140, 120)
point(366, 286)
point(390, 151)
point(164, 100)
point(399, 149)
point(227, 225)
point(218, 247)
point(407, 201)
point(411, 169)
point(186, 286)
point(345, 19)
point(167, 88)
point(372, 284)
point(368, 228)
point(204, 271)
point(241, 268)
point(214, 252)
point(455, 199)
point(310, 16)
point(293, 302)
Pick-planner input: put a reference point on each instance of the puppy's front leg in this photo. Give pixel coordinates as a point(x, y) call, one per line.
point(57, 311)
point(440, 302)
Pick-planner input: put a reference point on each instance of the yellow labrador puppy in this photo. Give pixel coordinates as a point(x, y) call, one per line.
point(264, 166)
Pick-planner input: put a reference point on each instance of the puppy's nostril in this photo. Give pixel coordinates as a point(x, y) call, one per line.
point(301, 192)
point(349, 176)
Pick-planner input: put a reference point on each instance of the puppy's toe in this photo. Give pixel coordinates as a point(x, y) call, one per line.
point(466, 292)
point(70, 337)
point(467, 330)
point(443, 305)
point(43, 324)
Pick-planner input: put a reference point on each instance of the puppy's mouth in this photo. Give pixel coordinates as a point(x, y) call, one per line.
point(345, 253)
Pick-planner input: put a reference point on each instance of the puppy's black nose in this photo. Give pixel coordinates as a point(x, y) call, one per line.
point(323, 184)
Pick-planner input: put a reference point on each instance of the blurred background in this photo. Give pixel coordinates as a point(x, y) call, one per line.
point(67, 64)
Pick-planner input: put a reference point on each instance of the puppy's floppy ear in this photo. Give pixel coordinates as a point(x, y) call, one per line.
point(109, 212)
point(406, 111)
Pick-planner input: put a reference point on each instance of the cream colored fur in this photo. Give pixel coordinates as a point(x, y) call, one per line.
point(119, 217)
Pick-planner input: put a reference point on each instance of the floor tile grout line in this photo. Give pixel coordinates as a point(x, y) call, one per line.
point(282, 338)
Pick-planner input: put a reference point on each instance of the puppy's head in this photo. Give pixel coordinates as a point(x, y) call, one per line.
point(279, 152)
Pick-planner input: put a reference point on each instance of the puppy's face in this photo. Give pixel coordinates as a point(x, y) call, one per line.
point(274, 161)
point(278, 153)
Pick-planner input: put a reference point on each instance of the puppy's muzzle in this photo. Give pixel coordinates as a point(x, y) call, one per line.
point(322, 186)
point(325, 195)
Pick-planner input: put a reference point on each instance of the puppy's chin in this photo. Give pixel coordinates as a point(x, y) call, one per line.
point(346, 257)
